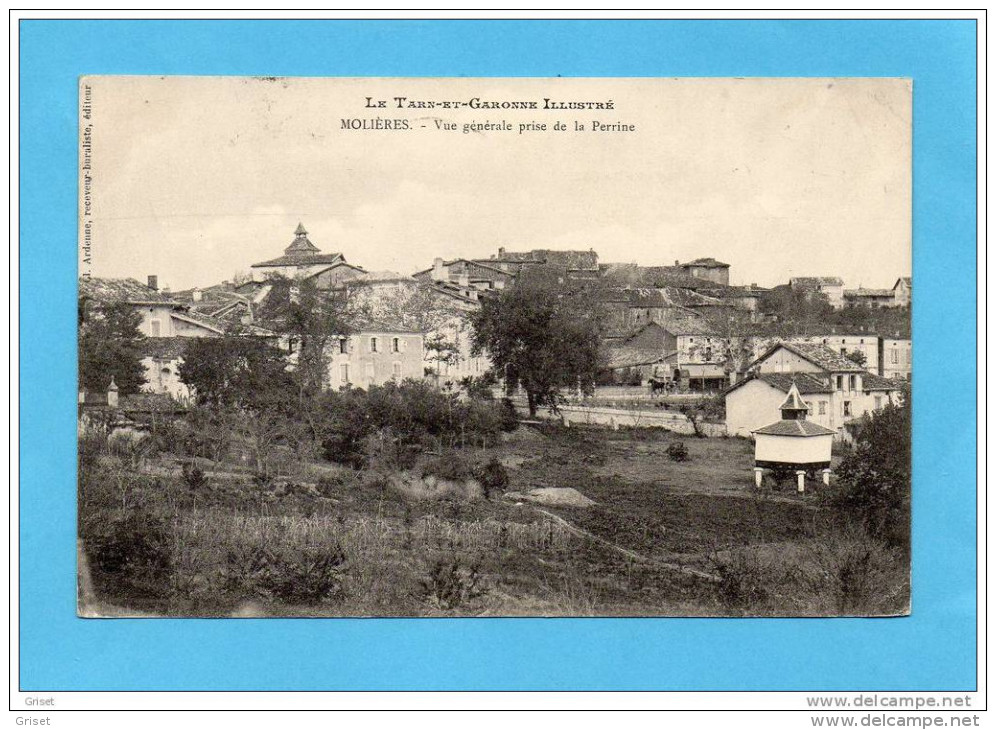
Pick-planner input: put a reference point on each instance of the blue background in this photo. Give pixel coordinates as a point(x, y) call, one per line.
point(935, 649)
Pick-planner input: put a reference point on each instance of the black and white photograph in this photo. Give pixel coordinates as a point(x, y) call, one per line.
point(494, 347)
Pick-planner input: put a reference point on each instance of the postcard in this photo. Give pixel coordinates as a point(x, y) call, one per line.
point(456, 347)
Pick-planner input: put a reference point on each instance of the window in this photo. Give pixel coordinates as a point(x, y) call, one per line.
point(344, 374)
point(373, 344)
point(895, 357)
point(396, 370)
point(156, 325)
point(396, 344)
point(847, 408)
point(840, 382)
point(823, 407)
point(843, 351)
point(343, 346)
point(852, 382)
point(878, 402)
point(708, 353)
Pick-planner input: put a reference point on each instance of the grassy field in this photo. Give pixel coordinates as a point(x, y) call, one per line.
point(663, 537)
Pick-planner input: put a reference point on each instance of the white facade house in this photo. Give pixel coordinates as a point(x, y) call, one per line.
point(836, 390)
point(897, 358)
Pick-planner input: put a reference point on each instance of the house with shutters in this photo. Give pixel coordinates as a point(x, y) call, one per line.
point(375, 353)
point(837, 391)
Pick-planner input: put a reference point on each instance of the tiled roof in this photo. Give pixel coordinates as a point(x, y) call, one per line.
point(812, 282)
point(302, 259)
point(643, 348)
point(576, 260)
point(733, 292)
point(218, 325)
point(655, 276)
point(871, 381)
point(707, 263)
point(793, 402)
point(657, 297)
point(807, 383)
point(122, 290)
point(795, 428)
point(681, 323)
point(819, 355)
point(867, 293)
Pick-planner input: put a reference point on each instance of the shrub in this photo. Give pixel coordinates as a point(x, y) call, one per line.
point(414, 413)
point(451, 465)
point(450, 584)
point(509, 417)
point(193, 477)
point(743, 583)
point(677, 451)
point(130, 550)
point(301, 574)
point(854, 574)
point(493, 477)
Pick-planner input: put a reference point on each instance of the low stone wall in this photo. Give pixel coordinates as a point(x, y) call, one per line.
point(619, 417)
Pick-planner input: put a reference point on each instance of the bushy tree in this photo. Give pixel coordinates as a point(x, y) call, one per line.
point(857, 357)
point(313, 319)
point(110, 346)
point(873, 480)
point(542, 336)
point(236, 371)
point(796, 312)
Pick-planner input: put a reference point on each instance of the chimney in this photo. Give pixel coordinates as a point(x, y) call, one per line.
point(153, 282)
point(438, 272)
point(196, 295)
point(501, 252)
point(677, 263)
point(112, 394)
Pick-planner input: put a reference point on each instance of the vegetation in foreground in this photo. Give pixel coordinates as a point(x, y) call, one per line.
point(166, 530)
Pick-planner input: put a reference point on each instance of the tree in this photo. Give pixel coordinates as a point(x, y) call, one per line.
point(419, 308)
point(542, 336)
point(796, 312)
point(873, 480)
point(312, 319)
point(236, 371)
point(737, 336)
point(857, 357)
point(110, 346)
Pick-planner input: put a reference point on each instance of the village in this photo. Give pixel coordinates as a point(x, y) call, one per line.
point(681, 436)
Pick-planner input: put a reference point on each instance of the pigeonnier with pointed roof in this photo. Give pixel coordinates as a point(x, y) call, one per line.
point(793, 443)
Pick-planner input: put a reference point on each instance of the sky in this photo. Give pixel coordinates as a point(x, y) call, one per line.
point(195, 179)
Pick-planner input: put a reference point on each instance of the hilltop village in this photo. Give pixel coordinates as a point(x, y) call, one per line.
point(535, 433)
point(680, 329)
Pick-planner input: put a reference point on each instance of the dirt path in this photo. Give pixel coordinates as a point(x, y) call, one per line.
point(628, 553)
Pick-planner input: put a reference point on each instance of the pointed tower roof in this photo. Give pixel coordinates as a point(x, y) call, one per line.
point(794, 401)
point(300, 244)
